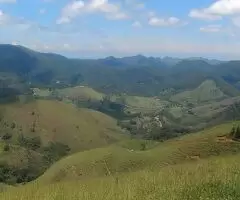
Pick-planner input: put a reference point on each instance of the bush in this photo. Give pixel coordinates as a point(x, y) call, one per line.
point(235, 133)
point(232, 132)
point(6, 147)
point(32, 143)
point(55, 151)
point(13, 125)
point(143, 147)
point(7, 136)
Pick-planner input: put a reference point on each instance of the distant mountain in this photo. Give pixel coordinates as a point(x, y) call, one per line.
point(209, 61)
point(170, 61)
point(135, 75)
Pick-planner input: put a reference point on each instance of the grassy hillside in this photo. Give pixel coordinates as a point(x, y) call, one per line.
point(207, 91)
point(192, 167)
point(82, 93)
point(213, 179)
point(116, 159)
point(55, 121)
point(144, 104)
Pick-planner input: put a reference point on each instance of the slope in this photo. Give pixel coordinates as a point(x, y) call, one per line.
point(116, 160)
point(55, 121)
point(186, 181)
point(82, 93)
point(207, 91)
point(203, 178)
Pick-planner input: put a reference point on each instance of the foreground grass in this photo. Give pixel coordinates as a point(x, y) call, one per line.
point(126, 156)
point(216, 178)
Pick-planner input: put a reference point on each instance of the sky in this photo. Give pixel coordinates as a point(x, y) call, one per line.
point(100, 28)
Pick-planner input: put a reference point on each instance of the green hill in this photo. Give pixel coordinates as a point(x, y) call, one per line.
point(81, 93)
point(198, 166)
point(55, 121)
point(214, 179)
point(115, 159)
point(207, 91)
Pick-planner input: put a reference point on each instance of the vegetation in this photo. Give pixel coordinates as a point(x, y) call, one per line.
point(185, 181)
point(28, 135)
point(137, 75)
point(120, 158)
point(118, 128)
point(54, 121)
point(235, 133)
point(173, 170)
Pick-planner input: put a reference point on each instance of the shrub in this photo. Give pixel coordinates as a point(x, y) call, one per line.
point(7, 136)
point(6, 147)
point(32, 143)
point(55, 151)
point(237, 133)
point(13, 125)
point(143, 147)
point(232, 132)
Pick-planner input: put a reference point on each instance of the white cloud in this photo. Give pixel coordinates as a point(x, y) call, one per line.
point(102, 6)
point(75, 8)
point(8, 1)
point(224, 7)
point(217, 10)
point(203, 14)
point(137, 24)
point(70, 11)
point(214, 28)
point(171, 21)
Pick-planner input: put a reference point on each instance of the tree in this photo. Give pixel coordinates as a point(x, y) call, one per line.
point(237, 133)
point(143, 146)
point(6, 147)
point(7, 136)
point(232, 132)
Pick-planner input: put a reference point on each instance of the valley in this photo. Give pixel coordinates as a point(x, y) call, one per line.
point(117, 128)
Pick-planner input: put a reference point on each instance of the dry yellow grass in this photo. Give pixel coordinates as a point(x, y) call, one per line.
point(83, 93)
point(117, 159)
point(81, 129)
point(212, 179)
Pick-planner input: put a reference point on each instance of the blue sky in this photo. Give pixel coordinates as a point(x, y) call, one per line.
point(99, 28)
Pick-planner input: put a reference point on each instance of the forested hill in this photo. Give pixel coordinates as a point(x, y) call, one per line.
point(136, 75)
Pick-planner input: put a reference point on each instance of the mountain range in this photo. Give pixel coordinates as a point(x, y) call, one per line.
point(136, 75)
